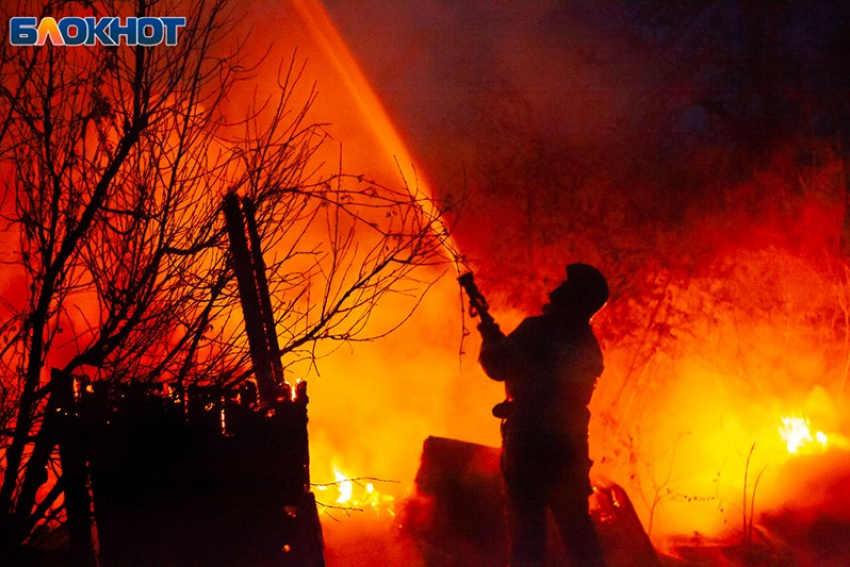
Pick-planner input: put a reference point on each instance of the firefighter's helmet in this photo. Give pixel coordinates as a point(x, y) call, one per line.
point(589, 287)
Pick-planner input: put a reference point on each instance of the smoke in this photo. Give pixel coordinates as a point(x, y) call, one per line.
point(694, 152)
point(372, 404)
point(629, 137)
point(588, 129)
point(610, 135)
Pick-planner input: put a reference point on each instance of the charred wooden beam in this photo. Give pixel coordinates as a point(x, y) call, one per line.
point(259, 266)
point(246, 256)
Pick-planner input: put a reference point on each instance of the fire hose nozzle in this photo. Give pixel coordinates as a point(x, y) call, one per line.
point(477, 303)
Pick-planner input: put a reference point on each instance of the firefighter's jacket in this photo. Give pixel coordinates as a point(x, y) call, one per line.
point(549, 367)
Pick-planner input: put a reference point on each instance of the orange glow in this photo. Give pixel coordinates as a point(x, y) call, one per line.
point(372, 404)
point(748, 385)
point(689, 422)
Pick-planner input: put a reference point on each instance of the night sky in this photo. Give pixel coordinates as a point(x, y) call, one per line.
point(608, 129)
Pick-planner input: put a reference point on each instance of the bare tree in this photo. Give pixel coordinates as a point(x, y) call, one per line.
point(114, 164)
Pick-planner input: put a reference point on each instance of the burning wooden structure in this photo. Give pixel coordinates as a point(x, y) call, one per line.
point(202, 475)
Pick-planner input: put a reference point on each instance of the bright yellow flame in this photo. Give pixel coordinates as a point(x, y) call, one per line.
point(345, 487)
point(355, 494)
point(796, 433)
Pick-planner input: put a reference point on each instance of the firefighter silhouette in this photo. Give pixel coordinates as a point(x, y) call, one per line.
point(549, 365)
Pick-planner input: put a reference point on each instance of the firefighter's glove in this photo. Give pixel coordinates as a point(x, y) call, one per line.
point(503, 410)
point(490, 331)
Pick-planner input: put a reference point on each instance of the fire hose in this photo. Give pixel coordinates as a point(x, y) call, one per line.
point(478, 307)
